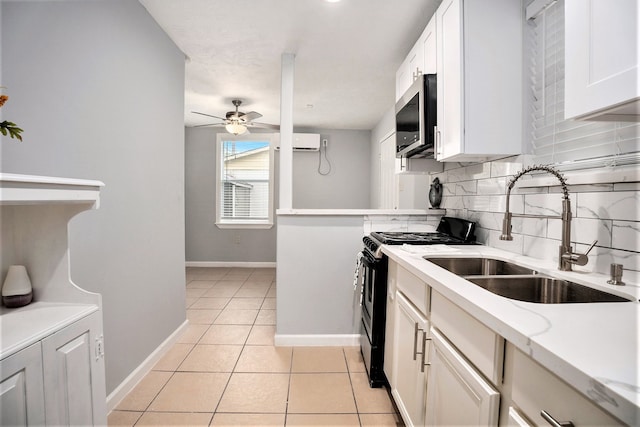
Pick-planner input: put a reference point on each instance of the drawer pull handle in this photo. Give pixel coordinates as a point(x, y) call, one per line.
point(548, 418)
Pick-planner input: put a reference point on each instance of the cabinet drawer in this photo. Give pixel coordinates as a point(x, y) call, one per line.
point(536, 389)
point(483, 347)
point(414, 289)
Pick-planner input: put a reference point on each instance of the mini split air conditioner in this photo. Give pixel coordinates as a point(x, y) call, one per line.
point(303, 142)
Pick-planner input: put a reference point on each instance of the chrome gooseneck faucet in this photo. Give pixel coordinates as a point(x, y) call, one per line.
point(566, 255)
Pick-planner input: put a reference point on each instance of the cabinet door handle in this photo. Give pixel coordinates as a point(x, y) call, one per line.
point(415, 340)
point(424, 351)
point(548, 418)
point(416, 75)
point(436, 137)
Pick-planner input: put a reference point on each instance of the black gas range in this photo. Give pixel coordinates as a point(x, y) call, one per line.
point(450, 231)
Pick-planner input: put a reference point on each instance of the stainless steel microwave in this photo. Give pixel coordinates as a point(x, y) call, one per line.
point(416, 119)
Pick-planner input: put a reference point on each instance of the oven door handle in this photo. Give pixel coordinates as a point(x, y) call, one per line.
point(358, 283)
point(368, 257)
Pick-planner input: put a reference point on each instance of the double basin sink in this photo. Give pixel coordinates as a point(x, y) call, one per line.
point(521, 283)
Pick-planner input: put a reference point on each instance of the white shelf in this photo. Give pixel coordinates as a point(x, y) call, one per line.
point(32, 189)
point(26, 325)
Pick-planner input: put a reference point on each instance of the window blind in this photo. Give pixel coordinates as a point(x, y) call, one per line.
point(555, 140)
point(244, 181)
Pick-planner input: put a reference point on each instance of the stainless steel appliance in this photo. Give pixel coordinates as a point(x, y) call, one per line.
point(450, 231)
point(416, 119)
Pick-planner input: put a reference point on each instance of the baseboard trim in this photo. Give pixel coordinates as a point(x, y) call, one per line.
point(343, 340)
point(238, 264)
point(119, 393)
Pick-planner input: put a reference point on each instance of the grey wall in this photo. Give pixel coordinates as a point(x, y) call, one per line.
point(345, 187)
point(315, 282)
point(204, 240)
point(98, 89)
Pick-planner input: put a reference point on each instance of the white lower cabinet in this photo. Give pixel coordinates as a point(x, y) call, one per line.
point(411, 330)
point(543, 397)
point(21, 388)
point(73, 365)
point(456, 392)
point(470, 375)
point(516, 419)
point(57, 381)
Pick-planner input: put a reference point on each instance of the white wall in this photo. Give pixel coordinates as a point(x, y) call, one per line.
point(98, 89)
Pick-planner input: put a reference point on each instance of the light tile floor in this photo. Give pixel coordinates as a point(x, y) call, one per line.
point(226, 371)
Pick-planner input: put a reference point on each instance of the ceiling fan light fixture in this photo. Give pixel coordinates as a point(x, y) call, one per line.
point(235, 128)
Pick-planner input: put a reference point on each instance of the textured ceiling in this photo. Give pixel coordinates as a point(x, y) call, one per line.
point(346, 55)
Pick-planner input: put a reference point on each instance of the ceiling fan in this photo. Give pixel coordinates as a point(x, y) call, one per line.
point(237, 122)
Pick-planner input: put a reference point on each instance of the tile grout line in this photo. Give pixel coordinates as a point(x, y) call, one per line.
point(215, 410)
point(353, 391)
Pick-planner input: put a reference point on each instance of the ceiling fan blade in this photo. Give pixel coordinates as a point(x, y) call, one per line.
point(251, 115)
point(208, 115)
point(210, 124)
point(263, 125)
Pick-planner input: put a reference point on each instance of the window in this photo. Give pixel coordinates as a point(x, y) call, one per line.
point(244, 181)
point(567, 143)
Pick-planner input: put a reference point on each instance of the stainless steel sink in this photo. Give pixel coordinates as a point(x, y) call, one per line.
point(479, 266)
point(543, 290)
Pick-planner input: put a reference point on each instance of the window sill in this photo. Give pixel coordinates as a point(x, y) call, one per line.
point(244, 225)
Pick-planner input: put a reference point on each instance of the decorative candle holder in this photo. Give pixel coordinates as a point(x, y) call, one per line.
point(17, 290)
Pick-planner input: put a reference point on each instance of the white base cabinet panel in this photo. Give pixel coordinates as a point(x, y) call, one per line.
point(516, 419)
point(535, 389)
point(58, 380)
point(456, 393)
point(410, 333)
point(74, 374)
point(21, 388)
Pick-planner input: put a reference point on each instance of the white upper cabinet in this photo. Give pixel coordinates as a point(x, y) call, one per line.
point(416, 61)
point(420, 60)
point(403, 78)
point(479, 68)
point(601, 60)
point(428, 43)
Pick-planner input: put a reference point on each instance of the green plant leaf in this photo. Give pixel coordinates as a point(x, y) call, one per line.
point(12, 128)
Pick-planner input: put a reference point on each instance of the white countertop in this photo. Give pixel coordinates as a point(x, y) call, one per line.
point(26, 325)
point(360, 212)
point(594, 347)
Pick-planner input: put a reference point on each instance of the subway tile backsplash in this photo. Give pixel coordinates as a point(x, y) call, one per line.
point(606, 212)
